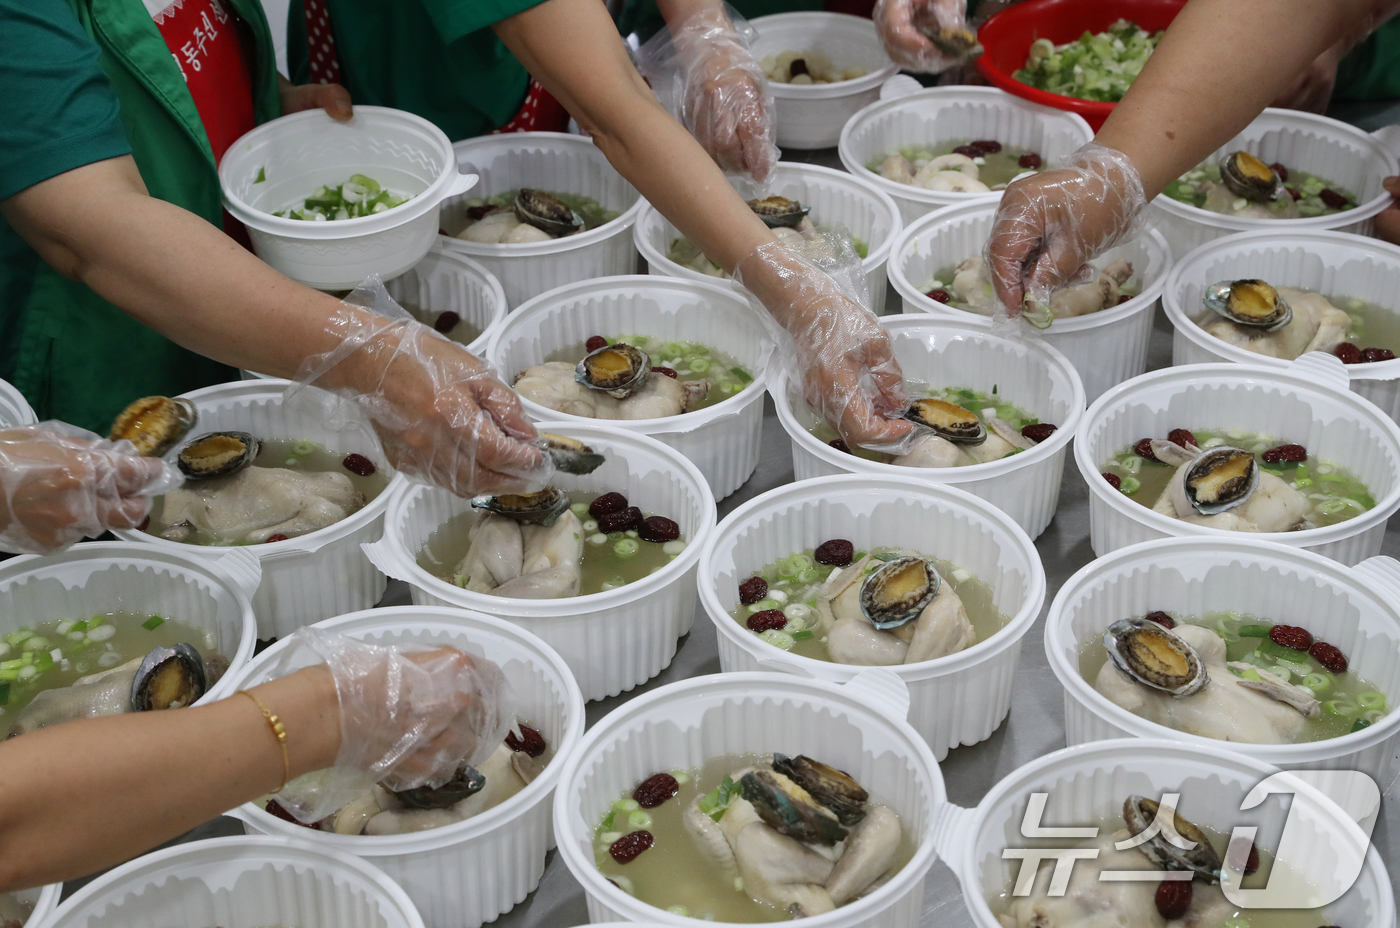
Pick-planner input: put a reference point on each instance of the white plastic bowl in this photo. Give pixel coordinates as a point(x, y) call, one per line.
point(1106, 347)
point(722, 440)
point(448, 282)
point(296, 154)
point(1353, 608)
point(1334, 263)
point(494, 859)
point(240, 883)
point(964, 353)
point(445, 282)
point(811, 116)
point(1087, 784)
point(14, 408)
point(1308, 403)
point(214, 595)
point(319, 574)
point(954, 700)
point(558, 162)
point(614, 640)
point(835, 197)
point(939, 115)
point(1343, 154)
point(858, 727)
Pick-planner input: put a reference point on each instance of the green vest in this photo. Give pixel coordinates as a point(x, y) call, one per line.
point(80, 359)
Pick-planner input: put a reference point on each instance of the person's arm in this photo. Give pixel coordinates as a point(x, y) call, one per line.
point(573, 49)
point(81, 796)
point(440, 411)
point(1215, 70)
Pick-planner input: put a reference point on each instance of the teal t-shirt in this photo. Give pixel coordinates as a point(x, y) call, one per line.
point(60, 113)
point(1372, 70)
point(436, 58)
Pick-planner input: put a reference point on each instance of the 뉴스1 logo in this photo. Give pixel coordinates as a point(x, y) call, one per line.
point(1325, 836)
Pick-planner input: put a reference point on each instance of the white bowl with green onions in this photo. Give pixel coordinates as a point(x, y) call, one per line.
point(1348, 439)
point(1342, 155)
point(329, 203)
point(1361, 275)
point(1237, 586)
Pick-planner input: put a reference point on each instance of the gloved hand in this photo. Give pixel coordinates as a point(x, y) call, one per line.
point(903, 26)
point(702, 71)
point(848, 370)
point(60, 483)
point(1049, 224)
point(409, 716)
point(441, 414)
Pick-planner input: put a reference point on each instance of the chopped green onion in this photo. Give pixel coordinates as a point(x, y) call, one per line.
point(262, 176)
point(1341, 707)
point(1371, 700)
point(742, 374)
point(152, 623)
point(1130, 485)
point(801, 636)
point(1360, 724)
point(1318, 682)
point(1255, 631)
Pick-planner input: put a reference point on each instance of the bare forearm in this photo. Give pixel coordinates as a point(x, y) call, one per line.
point(170, 270)
point(572, 48)
point(1217, 67)
point(86, 795)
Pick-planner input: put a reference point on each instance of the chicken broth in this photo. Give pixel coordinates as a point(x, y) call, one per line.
point(1333, 493)
point(1372, 325)
point(687, 254)
point(1349, 703)
point(674, 874)
point(305, 457)
point(610, 560)
point(942, 288)
point(1309, 195)
point(691, 362)
point(14, 911)
point(795, 583)
point(995, 169)
point(448, 323)
point(983, 405)
point(1089, 902)
point(56, 653)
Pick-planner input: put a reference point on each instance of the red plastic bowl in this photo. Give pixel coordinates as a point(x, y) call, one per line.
point(1007, 38)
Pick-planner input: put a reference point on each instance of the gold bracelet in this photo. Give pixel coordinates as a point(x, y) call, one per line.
point(280, 732)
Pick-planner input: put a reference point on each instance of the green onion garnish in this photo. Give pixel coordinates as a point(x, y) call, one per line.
point(152, 623)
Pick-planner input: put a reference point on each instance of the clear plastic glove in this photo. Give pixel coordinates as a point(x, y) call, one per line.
point(409, 717)
point(60, 483)
point(1049, 224)
point(904, 27)
point(847, 368)
point(442, 415)
point(702, 71)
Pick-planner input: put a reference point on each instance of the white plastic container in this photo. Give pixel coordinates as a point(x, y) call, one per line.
point(858, 727)
point(614, 640)
point(468, 873)
point(811, 115)
point(240, 883)
point(213, 595)
point(1086, 785)
point(1308, 403)
point(282, 162)
point(14, 408)
point(1106, 347)
point(557, 162)
point(1345, 155)
point(319, 574)
point(721, 440)
point(835, 197)
point(1333, 263)
point(954, 700)
point(964, 353)
point(446, 282)
point(1350, 607)
point(941, 115)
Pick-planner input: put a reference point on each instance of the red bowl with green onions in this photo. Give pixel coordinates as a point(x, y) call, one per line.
point(1006, 39)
